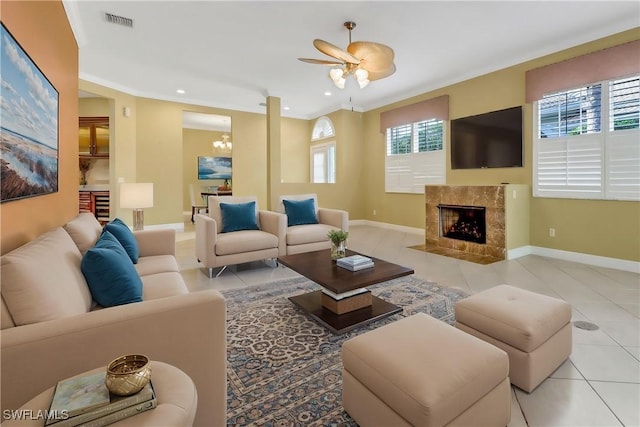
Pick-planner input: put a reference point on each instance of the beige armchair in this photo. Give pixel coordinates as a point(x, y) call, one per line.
point(216, 247)
point(313, 237)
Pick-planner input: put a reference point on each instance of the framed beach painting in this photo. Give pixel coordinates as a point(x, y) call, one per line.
point(29, 126)
point(214, 167)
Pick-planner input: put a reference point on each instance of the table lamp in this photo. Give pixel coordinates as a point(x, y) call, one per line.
point(136, 196)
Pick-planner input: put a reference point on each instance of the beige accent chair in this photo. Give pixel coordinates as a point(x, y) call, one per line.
point(196, 206)
point(313, 237)
point(217, 249)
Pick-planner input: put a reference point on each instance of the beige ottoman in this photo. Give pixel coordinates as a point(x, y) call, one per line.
point(421, 371)
point(533, 329)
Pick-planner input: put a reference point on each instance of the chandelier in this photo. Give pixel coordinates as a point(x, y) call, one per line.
point(225, 144)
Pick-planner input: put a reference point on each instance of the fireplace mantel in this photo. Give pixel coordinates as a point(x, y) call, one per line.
point(507, 217)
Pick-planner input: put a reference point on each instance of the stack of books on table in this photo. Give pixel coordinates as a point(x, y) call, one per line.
point(355, 262)
point(86, 401)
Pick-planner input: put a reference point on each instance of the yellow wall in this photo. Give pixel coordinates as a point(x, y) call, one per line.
point(348, 191)
point(43, 31)
point(294, 150)
point(122, 144)
point(584, 226)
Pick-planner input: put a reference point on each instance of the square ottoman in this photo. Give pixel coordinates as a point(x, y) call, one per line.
point(421, 371)
point(534, 330)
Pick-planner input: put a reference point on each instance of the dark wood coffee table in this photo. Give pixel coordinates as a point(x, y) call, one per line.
point(344, 304)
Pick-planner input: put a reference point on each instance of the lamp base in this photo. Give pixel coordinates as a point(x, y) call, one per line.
point(138, 219)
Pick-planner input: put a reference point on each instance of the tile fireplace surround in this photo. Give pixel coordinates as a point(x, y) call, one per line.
point(490, 197)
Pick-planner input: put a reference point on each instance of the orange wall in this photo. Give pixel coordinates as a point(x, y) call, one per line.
point(43, 31)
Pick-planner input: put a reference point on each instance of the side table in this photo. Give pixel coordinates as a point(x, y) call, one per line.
point(175, 391)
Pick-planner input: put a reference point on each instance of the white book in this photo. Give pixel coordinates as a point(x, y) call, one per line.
point(344, 294)
point(354, 260)
point(357, 267)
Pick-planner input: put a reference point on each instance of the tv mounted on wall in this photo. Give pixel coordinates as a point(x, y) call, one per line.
point(214, 167)
point(489, 140)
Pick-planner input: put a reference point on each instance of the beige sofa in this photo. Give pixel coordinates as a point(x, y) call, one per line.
point(51, 329)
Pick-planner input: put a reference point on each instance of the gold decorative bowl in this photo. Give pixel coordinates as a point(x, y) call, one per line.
point(128, 374)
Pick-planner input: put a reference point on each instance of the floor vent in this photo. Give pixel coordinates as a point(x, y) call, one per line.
point(587, 326)
point(120, 20)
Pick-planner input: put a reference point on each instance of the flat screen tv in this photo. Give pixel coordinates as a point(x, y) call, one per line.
point(214, 167)
point(489, 140)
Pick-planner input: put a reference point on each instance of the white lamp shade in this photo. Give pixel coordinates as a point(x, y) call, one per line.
point(136, 195)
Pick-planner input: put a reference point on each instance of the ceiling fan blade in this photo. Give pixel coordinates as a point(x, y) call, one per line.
point(320, 61)
point(377, 75)
point(376, 58)
point(334, 51)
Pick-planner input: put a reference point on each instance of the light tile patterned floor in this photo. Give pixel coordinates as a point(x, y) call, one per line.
point(598, 386)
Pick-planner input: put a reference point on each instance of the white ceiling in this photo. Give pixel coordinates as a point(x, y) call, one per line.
point(234, 54)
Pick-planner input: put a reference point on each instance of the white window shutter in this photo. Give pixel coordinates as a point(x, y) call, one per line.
point(623, 166)
point(569, 165)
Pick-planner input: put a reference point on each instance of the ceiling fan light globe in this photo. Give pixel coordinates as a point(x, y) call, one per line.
point(362, 74)
point(336, 74)
point(363, 83)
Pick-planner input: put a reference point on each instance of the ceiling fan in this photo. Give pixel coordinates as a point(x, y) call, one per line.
point(367, 61)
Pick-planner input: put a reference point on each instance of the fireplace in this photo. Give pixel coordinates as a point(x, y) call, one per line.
point(463, 223)
point(491, 216)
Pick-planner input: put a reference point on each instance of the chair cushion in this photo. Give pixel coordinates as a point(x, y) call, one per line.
point(216, 214)
point(112, 277)
point(300, 212)
point(84, 230)
point(163, 285)
point(245, 241)
point(238, 216)
point(308, 233)
point(284, 197)
point(125, 236)
point(156, 264)
point(41, 280)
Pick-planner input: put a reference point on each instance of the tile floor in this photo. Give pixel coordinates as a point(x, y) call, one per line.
point(598, 386)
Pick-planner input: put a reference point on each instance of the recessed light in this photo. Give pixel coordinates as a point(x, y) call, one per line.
point(286, 108)
point(180, 91)
point(327, 93)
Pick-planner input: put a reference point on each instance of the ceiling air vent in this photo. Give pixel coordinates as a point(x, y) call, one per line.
point(120, 20)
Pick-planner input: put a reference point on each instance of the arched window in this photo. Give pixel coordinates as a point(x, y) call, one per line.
point(323, 154)
point(322, 129)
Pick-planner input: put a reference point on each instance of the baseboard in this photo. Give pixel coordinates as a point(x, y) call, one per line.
point(401, 228)
point(595, 260)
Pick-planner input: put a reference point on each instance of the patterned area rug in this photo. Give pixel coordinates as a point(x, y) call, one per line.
point(284, 369)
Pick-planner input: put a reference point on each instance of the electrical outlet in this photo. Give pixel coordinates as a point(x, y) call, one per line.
point(552, 232)
point(515, 193)
point(374, 212)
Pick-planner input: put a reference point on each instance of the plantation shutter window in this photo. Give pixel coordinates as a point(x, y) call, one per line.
point(623, 141)
point(415, 153)
point(587, 142)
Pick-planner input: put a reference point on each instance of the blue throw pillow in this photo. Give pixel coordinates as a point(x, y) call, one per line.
point(300, 212)
point(125, 236)
point(238, 216)
point(110, 274)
